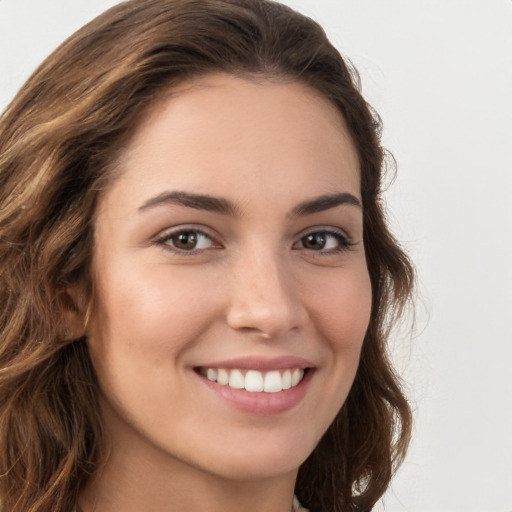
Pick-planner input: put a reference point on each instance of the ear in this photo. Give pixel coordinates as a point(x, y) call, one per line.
point(73, 312)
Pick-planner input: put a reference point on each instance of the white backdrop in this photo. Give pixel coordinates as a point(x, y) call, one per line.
point(440, 74)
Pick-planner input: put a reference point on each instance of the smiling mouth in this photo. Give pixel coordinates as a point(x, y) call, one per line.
point(255, 381)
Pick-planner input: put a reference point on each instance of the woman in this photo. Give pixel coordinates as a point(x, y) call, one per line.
point(197, 280)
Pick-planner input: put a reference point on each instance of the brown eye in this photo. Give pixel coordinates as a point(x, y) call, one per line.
point(314, 241)
point(185, 241)
point(325, 242)
point(188, 240)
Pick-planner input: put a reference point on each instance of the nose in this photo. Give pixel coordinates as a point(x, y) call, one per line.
point(264, 298)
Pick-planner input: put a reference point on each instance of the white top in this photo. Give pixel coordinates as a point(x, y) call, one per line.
point(297, 507)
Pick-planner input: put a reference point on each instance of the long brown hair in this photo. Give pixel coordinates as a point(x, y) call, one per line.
point(59, 140)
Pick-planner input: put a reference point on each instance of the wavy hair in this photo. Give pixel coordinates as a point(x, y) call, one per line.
point(59, 141)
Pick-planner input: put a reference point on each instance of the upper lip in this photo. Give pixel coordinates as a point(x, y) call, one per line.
point(261, 363)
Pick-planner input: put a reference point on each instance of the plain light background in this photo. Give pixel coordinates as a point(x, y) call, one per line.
point(440, 75)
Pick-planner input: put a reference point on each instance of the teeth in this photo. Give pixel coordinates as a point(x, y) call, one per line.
point(222, 377)
point(254, 380)
point(297, 376)
point(287, 379)
point(273, 382)
point(236, 380)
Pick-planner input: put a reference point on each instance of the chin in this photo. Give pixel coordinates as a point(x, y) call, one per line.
point(263, 459)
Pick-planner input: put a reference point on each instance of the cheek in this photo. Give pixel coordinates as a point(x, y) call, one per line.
point(143, 322)
point(340, 311)
point(153, 303)
point(343, 310)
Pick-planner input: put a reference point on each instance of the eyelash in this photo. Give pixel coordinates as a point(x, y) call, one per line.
point(344, 242)
point(165, 239)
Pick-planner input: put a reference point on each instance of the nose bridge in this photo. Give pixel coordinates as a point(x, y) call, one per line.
point(264, 295)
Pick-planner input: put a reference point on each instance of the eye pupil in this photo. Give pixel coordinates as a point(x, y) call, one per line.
point(185, 240)
point(314, 241)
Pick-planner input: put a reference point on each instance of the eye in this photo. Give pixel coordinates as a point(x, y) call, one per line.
point(325, 241)
point(186, 240)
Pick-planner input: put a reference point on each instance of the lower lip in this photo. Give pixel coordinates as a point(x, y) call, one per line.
point(263, 404)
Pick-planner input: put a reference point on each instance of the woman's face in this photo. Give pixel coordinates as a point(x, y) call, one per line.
point(229, 259)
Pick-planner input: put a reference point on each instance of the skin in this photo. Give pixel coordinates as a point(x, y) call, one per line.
point(252, 287)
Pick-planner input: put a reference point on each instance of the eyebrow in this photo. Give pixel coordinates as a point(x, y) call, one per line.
point(196, 201)
point(224, 206)
point(325, 202)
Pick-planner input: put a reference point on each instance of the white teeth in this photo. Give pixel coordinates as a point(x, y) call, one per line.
point(297, 376)
point(273, 382)
point(211, 374)
point(287, 379)
point(254, 380)
point(236, 380)
point(222, 377)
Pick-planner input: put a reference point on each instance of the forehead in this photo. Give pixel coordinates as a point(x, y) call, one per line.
point(221, 129)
